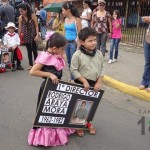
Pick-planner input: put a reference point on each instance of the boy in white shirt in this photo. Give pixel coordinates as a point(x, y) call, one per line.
point(12, 41)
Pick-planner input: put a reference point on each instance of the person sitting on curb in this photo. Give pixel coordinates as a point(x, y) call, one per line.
point(12, 41)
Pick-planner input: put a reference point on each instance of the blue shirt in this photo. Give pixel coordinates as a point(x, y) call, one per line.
point(43, 15)
point(70, 31)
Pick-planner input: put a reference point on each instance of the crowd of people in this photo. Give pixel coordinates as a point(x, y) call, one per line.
point(84, 40)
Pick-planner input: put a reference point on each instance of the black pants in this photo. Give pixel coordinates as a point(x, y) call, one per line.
point(31, 48)
point(15, 58)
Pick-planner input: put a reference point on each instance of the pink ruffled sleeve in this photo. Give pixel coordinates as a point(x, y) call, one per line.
point(48, 59)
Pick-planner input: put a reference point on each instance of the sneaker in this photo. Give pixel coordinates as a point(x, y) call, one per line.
point(110, 61)
point(13, 69)
point(114, 60)
point(20, 68)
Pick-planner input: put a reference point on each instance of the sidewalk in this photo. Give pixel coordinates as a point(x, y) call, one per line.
point(126, 74)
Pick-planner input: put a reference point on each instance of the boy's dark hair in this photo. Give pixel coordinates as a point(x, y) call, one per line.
point(5, 54)
point(56, 40)
point(117, 12)
point(86, 32)
point(83, 102)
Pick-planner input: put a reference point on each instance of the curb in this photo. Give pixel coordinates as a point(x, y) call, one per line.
point(126, 88)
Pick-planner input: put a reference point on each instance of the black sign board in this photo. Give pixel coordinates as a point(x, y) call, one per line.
point(5, 58)
point(66, 105)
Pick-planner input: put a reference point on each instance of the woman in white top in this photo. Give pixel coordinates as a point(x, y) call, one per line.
point(86, 14)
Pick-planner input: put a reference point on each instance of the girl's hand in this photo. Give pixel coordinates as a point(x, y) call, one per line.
point(54, 79)
point(97, 86)
point(117, 25)
point(36, 38)
point(86, 86)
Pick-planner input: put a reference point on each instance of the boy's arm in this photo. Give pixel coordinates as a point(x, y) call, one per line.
point(74, 68)
point(17, 41)
point(98, 84)
point(5, 40)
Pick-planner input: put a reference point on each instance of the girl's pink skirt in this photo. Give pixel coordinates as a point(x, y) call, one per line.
point(49, 136)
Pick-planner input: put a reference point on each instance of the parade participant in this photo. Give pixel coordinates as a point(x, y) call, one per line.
point(146, 75)
point(116, 36)
point(58, 24)
point(87, 57)
point(101, 22)
point(12, 41)
point(50, 64)
point(28, 25)
point(72, 26)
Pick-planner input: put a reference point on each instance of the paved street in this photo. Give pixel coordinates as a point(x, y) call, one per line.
point(115, 120)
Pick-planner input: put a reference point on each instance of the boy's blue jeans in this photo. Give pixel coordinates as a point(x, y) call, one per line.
point(146, 74)
point(70, 50)
point(114, 44)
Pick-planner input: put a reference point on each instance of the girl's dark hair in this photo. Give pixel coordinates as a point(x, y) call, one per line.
point(56, 40)
point(83, 103)
point(88, 2)
point(117, 12)
point(86, 32)
point(73, 9)
point(26, 6)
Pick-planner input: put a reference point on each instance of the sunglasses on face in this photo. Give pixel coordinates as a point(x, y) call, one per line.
point(101, 5)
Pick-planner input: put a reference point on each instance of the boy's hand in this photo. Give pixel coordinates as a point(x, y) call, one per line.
point(86, 86)
point(97, 86)
point(54, 79)
point(13, 48)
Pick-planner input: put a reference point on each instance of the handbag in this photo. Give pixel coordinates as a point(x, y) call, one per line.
point(147, 37)
point(41, 44)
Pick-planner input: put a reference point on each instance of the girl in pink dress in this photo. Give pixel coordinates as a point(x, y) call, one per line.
point(50, 64)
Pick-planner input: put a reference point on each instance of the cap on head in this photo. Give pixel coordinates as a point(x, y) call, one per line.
point(101, 1)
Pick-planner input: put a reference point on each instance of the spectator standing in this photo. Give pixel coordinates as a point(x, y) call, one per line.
point(58, 24)
point(101, 22)
point(86, 14)
point(43, 17)
point(116, 36)
point(72, 26)
point(146, 75)
point(51, 21)
point(28, 25)
point(7, 14)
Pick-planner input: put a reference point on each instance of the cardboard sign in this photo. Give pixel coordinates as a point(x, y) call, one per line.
point(66, 105)
point(5, 58)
